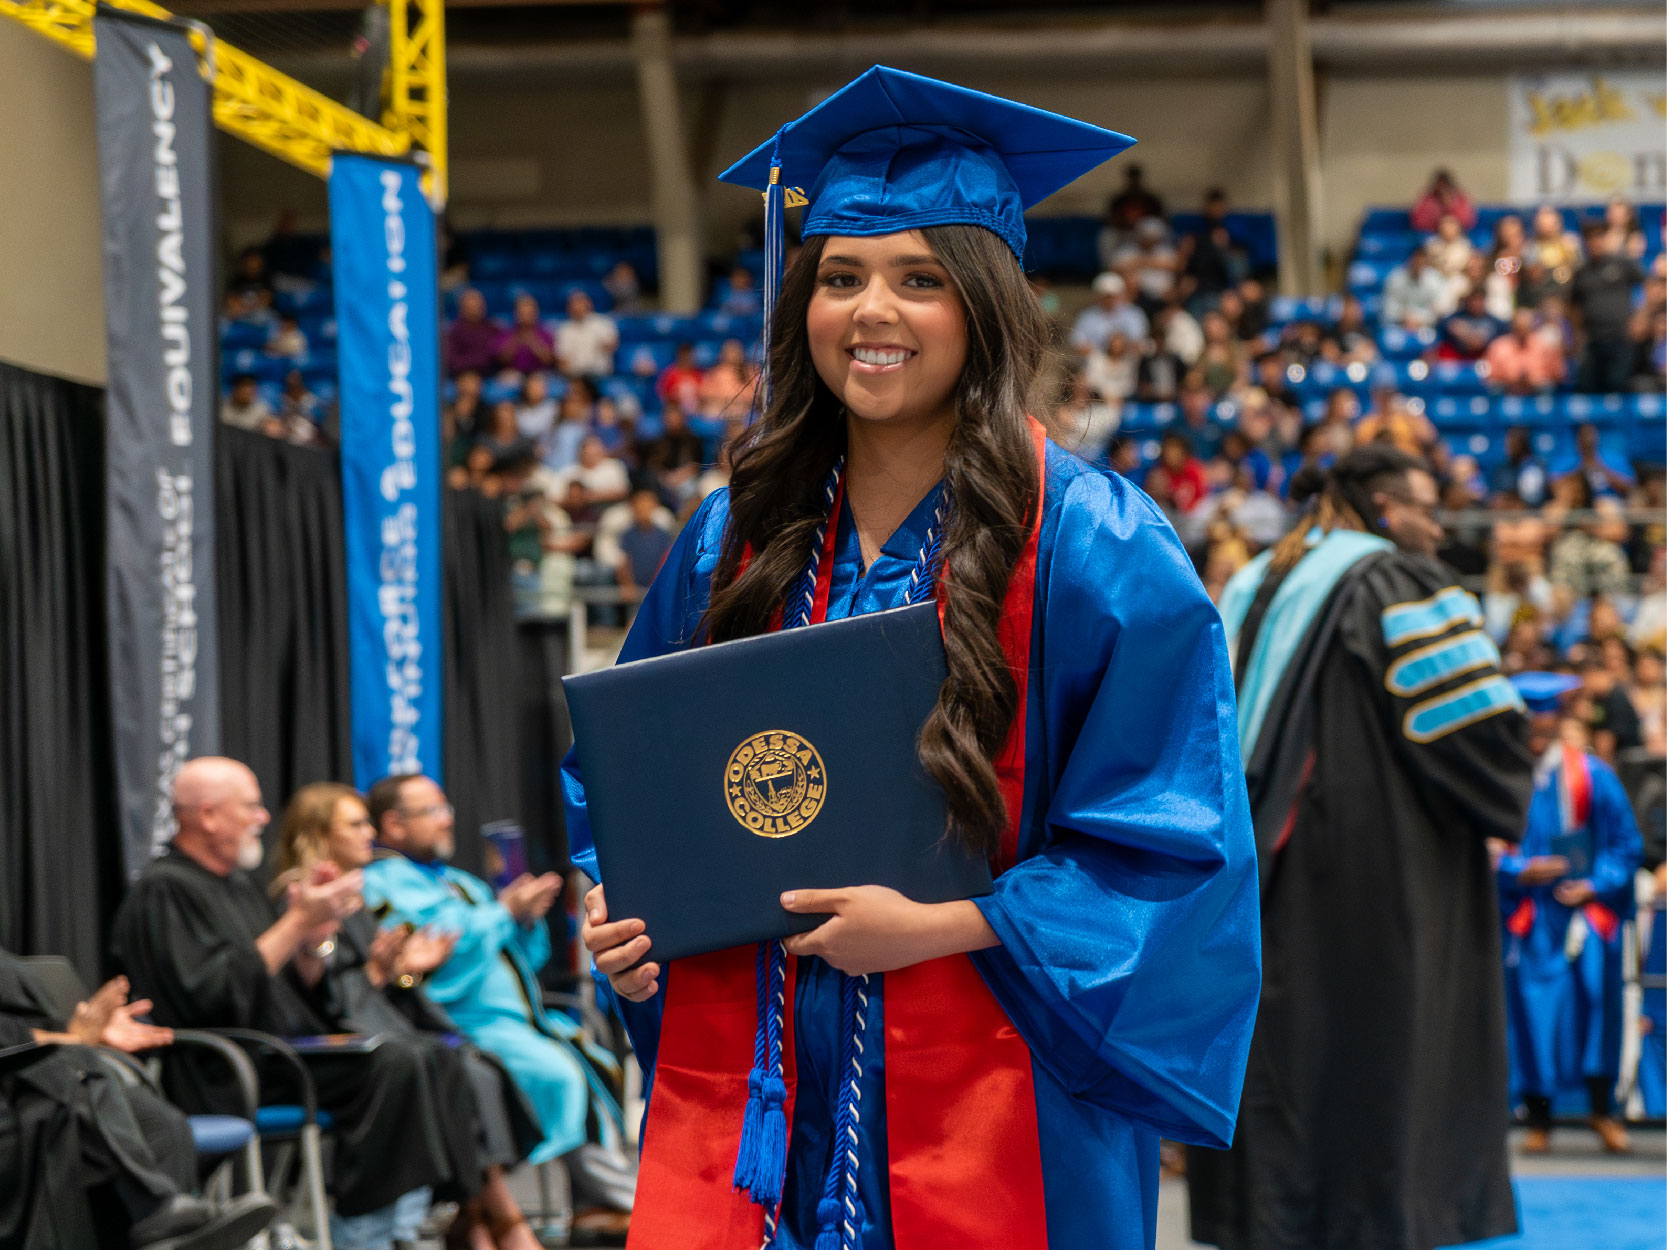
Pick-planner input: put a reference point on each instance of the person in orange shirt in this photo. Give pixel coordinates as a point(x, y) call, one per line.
point(1523, 362)
point(1392, 421)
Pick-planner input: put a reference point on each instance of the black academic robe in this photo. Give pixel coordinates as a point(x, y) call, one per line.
point(71, 1133)
point(479, 1090)
point(1374, 1109)
point(185, 937)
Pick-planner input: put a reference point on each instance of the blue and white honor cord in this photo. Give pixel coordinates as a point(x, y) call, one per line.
point(839, 1214)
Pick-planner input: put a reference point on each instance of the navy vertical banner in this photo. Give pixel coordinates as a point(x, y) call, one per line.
point(388, 337)
point(156, 183)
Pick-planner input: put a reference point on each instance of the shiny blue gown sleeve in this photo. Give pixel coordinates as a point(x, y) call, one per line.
point(666, 621)
point(1130, 955)
point(1619, 847)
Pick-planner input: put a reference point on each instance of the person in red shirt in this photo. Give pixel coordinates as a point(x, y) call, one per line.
point(1442, 197)
point(1178, 474)
point(680, 380)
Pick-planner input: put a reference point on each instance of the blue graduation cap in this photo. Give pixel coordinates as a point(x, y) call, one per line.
point(893, 151)
point(1542, 692)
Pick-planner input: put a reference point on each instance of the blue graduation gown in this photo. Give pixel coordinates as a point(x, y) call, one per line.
point(480, 987)
point(1565, 1015)
point(1130, 949)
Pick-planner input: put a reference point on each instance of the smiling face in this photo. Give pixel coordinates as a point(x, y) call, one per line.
point(887, 328)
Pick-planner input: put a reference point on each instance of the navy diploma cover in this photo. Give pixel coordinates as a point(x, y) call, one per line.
point(717, 778)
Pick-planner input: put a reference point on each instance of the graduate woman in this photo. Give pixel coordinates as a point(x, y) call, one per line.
point(1006, 1080)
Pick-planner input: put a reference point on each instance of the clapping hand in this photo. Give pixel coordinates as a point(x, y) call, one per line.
point(108, 1019)
point(382, 960)
point(424, 951)
point(528, 897)
point(325, 897)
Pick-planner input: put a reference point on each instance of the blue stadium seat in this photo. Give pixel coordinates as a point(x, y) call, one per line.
point(1387, 221)
point(1141, 419)
point(1531, 410)
point(1394, 247)
point(1452, 412)
point(490, 266)
point(1367, 276)
point(1397, 343)
point(1459, 377)
point(255, 363)
point(1284, 309)
point(1600, 410)
point(241, 335)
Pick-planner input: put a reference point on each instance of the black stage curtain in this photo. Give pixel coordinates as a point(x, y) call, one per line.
point(283, 616)
point(60, 857)
point(482, 692)
point(284, 655)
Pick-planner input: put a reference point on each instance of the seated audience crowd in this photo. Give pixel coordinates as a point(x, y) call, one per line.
point(409, 988)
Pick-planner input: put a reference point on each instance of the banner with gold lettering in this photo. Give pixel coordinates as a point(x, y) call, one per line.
point(1580, 137)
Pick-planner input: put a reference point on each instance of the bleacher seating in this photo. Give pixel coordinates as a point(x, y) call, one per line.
point(1456, 395)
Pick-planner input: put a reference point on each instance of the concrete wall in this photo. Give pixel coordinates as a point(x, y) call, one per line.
point(51, 300)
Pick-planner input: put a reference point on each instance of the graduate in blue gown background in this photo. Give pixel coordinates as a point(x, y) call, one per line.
point(1566, 892)
point(1085, 740)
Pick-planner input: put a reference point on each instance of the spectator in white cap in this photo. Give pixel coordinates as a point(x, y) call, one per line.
point(1150, 263)
point(1110, 313)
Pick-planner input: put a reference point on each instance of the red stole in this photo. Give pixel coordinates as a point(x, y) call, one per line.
point(966, 1167)
point(1574, 810)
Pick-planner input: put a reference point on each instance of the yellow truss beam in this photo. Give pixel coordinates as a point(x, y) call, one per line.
point(288, 118)
point(415, 85)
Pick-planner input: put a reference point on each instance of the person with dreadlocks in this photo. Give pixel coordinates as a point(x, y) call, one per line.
point(992, 1072)
point(1383, 748)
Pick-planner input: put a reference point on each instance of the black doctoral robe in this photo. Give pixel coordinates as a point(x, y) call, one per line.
point(505, 1127)
point(71, 1131)
point(185, 937)
point(1374, 1109)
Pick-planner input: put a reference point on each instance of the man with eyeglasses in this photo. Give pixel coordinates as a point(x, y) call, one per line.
point(489, 986)
point(198, 935)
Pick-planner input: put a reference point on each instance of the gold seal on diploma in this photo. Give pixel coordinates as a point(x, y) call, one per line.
point(774, 783)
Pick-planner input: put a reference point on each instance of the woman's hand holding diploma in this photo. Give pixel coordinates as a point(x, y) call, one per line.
point(871, 928)
point(616, 947)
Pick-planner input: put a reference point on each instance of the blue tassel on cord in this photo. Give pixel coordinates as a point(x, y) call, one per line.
point(827, 1224)
point(746, 1156)
point(761, 1158)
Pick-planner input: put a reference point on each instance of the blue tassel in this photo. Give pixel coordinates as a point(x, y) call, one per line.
point(827, 1225)
point(772, 1144)
point(746, 1157)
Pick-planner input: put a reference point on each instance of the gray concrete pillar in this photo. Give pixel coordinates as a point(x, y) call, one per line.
point(1296, 140)
point(677, 199)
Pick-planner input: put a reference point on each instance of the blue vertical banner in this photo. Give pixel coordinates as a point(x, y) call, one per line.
point(382, 242)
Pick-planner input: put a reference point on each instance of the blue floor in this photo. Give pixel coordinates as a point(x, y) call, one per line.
point(1587, 1213)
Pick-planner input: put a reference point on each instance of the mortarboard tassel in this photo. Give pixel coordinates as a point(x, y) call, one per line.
point(775, 227)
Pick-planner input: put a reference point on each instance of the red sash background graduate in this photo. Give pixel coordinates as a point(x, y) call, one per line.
point(1565, 1013)
point(993, 1072)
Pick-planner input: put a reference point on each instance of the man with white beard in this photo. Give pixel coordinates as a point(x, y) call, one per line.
point(198, 935)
